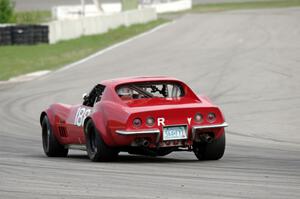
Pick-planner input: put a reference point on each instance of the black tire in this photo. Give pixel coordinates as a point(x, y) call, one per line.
point(210, 151)
point(51, 146)
point(97, 150)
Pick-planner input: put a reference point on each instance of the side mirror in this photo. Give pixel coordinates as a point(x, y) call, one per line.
point(84, 96)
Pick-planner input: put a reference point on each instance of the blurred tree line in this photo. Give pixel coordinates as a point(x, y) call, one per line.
point(6, 11)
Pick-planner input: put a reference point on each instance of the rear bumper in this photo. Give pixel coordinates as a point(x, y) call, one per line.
point(142, 132)
point(210, 126)
point(157, 132)
point(197, 128)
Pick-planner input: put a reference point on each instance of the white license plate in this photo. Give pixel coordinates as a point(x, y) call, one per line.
point(174, 133)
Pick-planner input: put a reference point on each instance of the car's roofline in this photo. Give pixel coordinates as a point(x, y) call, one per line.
point(114, 83)
point(136, 79)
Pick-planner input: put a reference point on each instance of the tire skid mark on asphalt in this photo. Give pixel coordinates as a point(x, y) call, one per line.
point(31, 100)
point(21, 103)
point(259, 137)
point(237, 53)
point(278, 99)
point(275, 172)
point(148, 173)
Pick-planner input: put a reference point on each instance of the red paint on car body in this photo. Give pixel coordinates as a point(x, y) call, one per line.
point(112, 113)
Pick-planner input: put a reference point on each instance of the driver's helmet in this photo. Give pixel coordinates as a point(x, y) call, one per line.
point(124, 91)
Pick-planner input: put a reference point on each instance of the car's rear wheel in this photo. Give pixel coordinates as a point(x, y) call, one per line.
point(210, 151)
point(51, 146)
point(97, 150)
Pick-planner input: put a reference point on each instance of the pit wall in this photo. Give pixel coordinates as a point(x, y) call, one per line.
point(169, 6)
point(74, 28)
point(89, 10)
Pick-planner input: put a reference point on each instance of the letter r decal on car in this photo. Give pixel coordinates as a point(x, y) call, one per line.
point(161, 121)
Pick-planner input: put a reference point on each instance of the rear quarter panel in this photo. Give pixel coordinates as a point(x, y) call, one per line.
point(57, 113)
point(108, 117)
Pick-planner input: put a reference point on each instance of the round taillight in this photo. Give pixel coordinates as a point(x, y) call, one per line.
point(211, 117)
point(198, 117)
point(137, 122)
point(150, 121)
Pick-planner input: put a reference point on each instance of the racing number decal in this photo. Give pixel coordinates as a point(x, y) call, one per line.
point(81, 114)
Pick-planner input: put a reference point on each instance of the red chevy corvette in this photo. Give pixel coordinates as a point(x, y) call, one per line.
point(140, 115)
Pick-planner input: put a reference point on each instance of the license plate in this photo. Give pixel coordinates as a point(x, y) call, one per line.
point(174, 133)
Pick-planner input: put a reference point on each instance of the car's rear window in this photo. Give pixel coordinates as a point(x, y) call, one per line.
point(150, 90)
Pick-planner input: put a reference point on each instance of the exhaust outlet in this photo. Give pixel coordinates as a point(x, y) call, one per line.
point(140, 143)
point(145, 143)
point(206, 138)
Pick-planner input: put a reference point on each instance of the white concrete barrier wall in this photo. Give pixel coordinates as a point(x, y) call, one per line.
point(114, 21)
point(93, 25)
point(111, 7)
point(75, 28)
point(89, 10)
point(172, 6)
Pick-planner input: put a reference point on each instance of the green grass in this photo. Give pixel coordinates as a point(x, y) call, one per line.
point(129, 4)
point(31, 17)
point(17, 60)
point(216, 7)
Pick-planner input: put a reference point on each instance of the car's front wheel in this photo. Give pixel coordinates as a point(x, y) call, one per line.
point(97, 150)
point(210, 151)
point(51, 146)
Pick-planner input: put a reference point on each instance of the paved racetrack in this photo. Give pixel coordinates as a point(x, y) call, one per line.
point(248, 62)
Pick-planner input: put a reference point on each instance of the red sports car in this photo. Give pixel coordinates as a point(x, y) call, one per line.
point(139, 115)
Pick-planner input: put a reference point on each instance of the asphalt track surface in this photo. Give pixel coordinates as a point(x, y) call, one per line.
point(245, 61)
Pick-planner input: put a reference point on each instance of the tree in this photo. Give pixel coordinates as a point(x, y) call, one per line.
point(6, 11)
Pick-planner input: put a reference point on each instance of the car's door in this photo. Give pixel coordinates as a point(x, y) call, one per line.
point(78, 114)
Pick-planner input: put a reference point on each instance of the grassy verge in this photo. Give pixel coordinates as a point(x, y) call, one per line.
point(16, 60)
point(216, 7)
point(31, 17)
